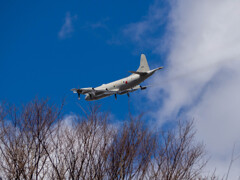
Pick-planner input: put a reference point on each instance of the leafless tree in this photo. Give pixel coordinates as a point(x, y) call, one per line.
point(177, 155)
point(131, 151)
point(37, 143)
point(79, 150)
point(23, 134)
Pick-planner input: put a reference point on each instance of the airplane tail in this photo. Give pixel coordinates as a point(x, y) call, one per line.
point(143, 64)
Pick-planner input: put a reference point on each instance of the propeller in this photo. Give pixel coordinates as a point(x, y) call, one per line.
point(115, 96)
point(74, 90)
point(128, 95)
point(93, 92)
point(78, 93)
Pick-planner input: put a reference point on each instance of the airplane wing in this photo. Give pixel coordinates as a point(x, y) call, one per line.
point(125, 91)
point(82, 90)
point(111, 92)
point(93, 91)
point(106, 91)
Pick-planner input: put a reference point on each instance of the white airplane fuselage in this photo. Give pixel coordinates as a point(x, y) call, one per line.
point(122, 84)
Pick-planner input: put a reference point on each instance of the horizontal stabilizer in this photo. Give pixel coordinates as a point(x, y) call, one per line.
point(154, 70)
point(158, 68)
point(137, 72)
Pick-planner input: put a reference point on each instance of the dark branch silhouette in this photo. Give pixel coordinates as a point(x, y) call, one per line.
point(37, 143)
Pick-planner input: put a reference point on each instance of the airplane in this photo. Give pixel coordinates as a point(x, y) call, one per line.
point(122, 86)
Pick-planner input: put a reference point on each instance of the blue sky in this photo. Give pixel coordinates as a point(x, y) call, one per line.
point(49, 47)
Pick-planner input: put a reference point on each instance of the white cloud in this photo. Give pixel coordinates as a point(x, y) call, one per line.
point(202, 77)
point(102, 24)
point(67, 28)
point(143, 32)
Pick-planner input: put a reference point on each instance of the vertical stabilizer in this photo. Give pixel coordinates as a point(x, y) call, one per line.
point(143, 64)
